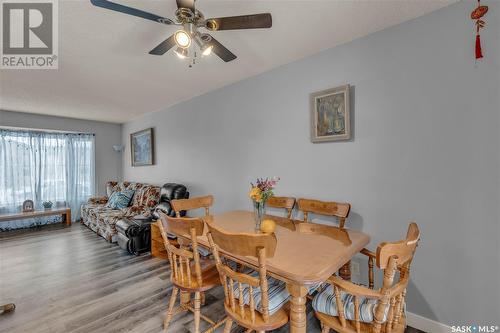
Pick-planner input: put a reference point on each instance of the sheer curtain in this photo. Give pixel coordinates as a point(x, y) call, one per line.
point(40, 166)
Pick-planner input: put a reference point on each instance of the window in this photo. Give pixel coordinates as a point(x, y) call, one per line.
point(42, 166)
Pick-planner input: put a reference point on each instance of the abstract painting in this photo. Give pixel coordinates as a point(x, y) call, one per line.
point(142, 147)
point(330, 115)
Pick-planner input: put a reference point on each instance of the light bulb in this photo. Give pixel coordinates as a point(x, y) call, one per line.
point(207, 50)
point(182, 39)
point(181, 53)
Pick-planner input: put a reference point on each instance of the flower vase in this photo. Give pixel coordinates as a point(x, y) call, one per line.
point(259, 210)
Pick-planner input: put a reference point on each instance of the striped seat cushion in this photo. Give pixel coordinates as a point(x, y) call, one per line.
point(325, 302)
point(278, 295)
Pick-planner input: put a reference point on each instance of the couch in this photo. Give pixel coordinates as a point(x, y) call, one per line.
point(102, 219)
point(135, 235)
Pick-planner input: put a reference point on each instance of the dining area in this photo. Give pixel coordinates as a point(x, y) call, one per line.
point(270, 266)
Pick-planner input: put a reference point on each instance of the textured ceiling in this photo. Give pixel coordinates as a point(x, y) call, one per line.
point(105, 72)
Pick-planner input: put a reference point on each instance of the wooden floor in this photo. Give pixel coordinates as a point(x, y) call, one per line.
point(68, 279)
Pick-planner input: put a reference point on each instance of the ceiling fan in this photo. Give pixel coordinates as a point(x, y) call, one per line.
point(191, 20)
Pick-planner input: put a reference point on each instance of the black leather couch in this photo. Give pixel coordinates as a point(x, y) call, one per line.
point(135, 235)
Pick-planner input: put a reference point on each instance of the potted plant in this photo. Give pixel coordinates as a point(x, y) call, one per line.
point(47, 204)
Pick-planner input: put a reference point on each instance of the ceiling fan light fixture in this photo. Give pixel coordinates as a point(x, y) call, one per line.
point(207, 49)
point(211, 25)
point(182, 53)
point(182, 39)
point(204, 42)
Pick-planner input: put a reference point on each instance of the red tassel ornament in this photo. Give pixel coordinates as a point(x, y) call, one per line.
point(479, 52)
point(476, 15)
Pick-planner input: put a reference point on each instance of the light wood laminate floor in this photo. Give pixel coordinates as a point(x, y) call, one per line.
point(68, 279)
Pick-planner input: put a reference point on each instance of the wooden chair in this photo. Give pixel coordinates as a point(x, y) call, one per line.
point(180, 205)
point(193, 203)
point(328, 208)
point(242, 290)
point(286, 203)
point(337, 209)
point(375, 311)
point(188, 273)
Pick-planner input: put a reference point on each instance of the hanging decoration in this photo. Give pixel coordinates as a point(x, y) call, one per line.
point(477, 15)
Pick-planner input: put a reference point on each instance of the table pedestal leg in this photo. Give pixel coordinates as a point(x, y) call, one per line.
point(298, 316)
point(345, 271)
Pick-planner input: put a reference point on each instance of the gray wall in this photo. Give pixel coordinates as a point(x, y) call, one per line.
point(426, 147)
point(108, 162)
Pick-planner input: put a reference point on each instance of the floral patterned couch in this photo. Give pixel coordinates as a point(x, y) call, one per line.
point(102, 219)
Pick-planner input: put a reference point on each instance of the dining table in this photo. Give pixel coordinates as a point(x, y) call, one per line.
point(306, 254)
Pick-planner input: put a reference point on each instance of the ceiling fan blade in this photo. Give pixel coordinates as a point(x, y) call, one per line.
point(186, 4)
point(164, 46)
point(254, 21)
point(131, 11)
point(221, 51)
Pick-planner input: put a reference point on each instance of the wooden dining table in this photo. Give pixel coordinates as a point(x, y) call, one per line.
point(306, 254)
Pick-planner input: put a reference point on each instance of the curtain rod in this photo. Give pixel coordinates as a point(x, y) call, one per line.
point(40, 130)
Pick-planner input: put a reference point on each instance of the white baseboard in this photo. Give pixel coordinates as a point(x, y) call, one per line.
point(426, 324)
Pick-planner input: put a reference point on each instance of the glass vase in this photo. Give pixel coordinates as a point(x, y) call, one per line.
point(259, 210)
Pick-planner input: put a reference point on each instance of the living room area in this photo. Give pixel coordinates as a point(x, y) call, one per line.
point(321, 166)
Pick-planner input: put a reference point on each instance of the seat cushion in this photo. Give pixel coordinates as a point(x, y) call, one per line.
point(278, 295)
point(120, 200)
point(326, 302)
point(204, 252)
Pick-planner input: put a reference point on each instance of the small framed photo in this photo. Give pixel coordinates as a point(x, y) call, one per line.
point(330, 115)
point(142, 147)
point(28, 206)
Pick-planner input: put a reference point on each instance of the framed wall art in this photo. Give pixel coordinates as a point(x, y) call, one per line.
point(142, 147)
point(330, 115)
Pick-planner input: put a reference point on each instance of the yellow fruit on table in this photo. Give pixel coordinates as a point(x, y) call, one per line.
point(268, 226)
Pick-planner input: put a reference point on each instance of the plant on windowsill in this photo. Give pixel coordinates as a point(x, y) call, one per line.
point(47, 204)
point(259, 193)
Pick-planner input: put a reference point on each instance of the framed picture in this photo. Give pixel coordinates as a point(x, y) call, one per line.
point(142, 147)
point(28, 206)
point(330, 115)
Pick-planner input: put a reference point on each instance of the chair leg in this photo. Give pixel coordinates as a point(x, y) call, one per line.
point(227, 328)
point(197, 301)
point(325, 329)
point(170, 310)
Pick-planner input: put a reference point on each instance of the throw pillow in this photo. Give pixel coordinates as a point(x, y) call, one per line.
point(120, 200)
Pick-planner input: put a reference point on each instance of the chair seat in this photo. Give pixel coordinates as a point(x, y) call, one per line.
point(204, 252)
point(326, 302)
point(276, 320)
point(335, 324)
point(278, 295)
point(210, 278)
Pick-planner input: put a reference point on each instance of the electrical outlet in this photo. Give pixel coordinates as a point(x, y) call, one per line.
point(355, 268)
